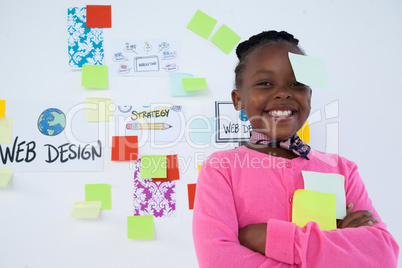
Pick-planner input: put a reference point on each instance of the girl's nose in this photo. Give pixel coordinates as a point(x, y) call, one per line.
point(282, 93)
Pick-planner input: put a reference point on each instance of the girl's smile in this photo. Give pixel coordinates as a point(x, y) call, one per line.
point(275, 103)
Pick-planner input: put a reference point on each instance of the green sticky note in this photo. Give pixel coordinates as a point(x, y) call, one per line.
point(194, 84)
point(99, 110)
point(6, 130)
point(225, 39)
point(202, 24)
point(87, 209)
point(94, 76)
point(140, 227)
point(314, 206)
point(99, 192)
point(176, 84)
point(5, 176)
point(310, 71)
point(153, 167)
point(2, 108)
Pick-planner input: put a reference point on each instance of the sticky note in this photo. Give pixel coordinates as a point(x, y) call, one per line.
point(199, 168)
point(99, 16)
point(310, 71)
point(225, 39)
point(94, 76)
point(304, 132)
point(176, 84)
point(6, 130)
point(191, 195)
point(153, 166)
point(99, 110)
point(329, 183)
point(202, 130)
point(172, 168)
point(194, 84)
point(124, 148)
point(314, 206)
point(2, 108)
point(99, 192)
point(5, 176)
point(87, 209)
point(202, 24)
point(140, 227)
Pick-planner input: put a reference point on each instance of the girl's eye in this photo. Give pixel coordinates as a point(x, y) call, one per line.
point(265, 83)
point(297, 84)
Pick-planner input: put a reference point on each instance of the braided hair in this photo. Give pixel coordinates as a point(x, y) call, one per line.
point(256, 41)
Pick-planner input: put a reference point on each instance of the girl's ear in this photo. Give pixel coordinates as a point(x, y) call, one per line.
point(236, 99)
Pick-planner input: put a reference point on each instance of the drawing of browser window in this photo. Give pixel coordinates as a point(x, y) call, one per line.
point(146, 64)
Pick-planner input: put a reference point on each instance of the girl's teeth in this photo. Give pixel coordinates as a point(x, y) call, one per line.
point(280, 113)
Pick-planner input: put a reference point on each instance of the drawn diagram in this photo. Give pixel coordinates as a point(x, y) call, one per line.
point(145, 57)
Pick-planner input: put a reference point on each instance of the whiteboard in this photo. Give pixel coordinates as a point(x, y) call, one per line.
point(359, 41)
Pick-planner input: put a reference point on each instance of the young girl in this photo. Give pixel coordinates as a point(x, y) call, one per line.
point(243, 204)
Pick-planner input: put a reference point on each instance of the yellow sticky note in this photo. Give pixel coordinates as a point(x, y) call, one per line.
point(5, 176)
point(2, 108)
point(6, 130)
point(304, 133)
point(140, 227)
point(94, 76)
point(194, 84)
point(225, 39)
point(99, 192)
point(99, 110)
point(199, 168)
point(87, 209)
point(314, 206)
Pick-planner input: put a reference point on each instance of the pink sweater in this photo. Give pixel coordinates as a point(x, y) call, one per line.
point(242, 186)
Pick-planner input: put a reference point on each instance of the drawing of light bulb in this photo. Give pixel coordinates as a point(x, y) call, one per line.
point(147, 47)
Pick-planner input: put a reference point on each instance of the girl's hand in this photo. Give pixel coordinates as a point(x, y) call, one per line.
point(253, 236)
point(357, 218)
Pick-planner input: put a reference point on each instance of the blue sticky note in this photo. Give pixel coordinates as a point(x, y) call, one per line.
point(310, 71)
point(85, 45)
point(202, 130)
point(176, 85)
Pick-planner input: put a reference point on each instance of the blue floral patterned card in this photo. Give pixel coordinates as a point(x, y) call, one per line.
point(85, 45)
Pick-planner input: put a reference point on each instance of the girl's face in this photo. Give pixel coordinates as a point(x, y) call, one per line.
point(274, 102)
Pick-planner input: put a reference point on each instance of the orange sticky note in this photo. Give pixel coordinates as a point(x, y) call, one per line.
point(172, 168)
point(124, 148)
point(199, 168)
point(304, 133)
point(2, 108)
point(191, 195)
point(99, 16)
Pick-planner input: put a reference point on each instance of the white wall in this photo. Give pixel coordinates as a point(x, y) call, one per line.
point(360, 41)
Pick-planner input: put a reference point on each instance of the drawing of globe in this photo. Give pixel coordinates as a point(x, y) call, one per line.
point(52, 122)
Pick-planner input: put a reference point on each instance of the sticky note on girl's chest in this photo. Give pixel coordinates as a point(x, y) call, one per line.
point(329, 183)
point(314, 206)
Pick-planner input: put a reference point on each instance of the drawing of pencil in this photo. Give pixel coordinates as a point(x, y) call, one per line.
point(150, 126)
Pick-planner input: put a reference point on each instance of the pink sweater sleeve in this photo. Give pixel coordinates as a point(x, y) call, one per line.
point(215, 226)
point(351, 247)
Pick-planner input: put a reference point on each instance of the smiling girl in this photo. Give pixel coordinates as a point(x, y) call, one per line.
point(243, 204)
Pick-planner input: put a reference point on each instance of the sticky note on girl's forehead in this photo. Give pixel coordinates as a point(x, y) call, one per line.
point(310, 71)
